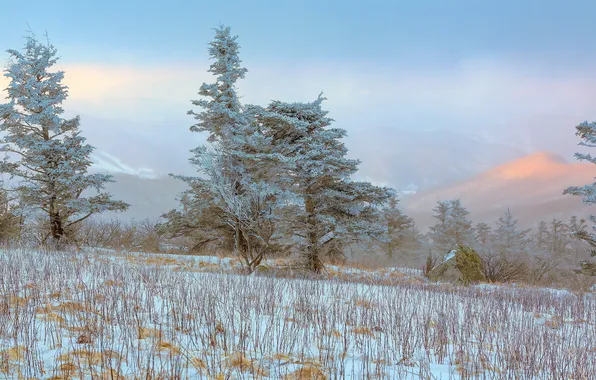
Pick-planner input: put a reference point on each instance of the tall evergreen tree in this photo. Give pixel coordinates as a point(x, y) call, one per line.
point(577, 226)
point(507, 260)
point(222, 115)
point(402, 234)
point(439, 233)
point(587, 133)
point(578, 231)
point(540, 237)
point(461, 226)
point(48, 155)
point(509, 239)
point(233, 200)
point(331, 209)
point(483, 234)
point(453, 228)
point(558, 238)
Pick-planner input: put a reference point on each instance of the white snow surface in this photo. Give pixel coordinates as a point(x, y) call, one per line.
point(450, 255)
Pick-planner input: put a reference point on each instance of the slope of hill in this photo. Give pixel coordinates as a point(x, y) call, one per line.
point(531, 187)
point(414, 161)
point(148, 197)
point(423, 159)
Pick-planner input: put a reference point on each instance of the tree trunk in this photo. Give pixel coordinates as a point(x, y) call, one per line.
point(313, 262)
point(56, 227)
point(242, 247)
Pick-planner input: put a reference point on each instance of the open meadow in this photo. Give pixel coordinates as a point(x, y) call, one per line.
point(104, 315)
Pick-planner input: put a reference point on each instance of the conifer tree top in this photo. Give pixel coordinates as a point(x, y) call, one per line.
point(222, 114)
point(33, 88)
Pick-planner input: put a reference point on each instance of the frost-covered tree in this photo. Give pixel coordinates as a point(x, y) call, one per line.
point(540, 237)
point(402, 234)
point(509, 239)
point(247, 214)
point(552, 239)
point(587, 133)
point(558, 238)
point(577, 226)
point(233, 201)
point(483, 235)
point(331, 209)
point(222, 115)
point(461, 226)
point(453, 228)
point(46, 153)
point(439, 233)
point(507, 259)
point(578, 245)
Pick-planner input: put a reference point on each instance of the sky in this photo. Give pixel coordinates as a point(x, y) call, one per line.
point(510, 72)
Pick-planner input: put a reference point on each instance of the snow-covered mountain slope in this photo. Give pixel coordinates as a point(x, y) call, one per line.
point(145, 149)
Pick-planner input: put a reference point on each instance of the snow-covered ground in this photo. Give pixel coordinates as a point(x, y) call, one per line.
point(104, 315)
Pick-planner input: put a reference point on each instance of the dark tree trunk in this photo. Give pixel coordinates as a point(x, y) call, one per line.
point(57, 230)
point(313, 261)
point(56, 227)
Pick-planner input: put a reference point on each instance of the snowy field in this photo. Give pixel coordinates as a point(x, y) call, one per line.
point(108, 316)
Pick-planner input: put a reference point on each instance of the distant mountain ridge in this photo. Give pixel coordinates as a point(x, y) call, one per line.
point(149, 198)
point(416, 161)
point(423, 160)
point(532, 187)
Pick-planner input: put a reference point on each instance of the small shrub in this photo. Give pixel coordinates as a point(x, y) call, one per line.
point(468, 262)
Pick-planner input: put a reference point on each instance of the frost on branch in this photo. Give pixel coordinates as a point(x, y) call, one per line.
point(46, 153)
point(234, 201)
point(453, 228)
point(331, 210)
point(587, 133)
point(222, 116)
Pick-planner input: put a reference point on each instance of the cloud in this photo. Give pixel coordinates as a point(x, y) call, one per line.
point(3, 84)
point(529, 106)
point(465, 93)
point(106, 162)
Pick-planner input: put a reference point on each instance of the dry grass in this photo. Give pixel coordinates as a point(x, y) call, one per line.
point(306, 373)
point(97, 316)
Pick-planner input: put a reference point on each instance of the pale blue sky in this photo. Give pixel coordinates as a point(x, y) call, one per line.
point(434, 33)
point(514, 72)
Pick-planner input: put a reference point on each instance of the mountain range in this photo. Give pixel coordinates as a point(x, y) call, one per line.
point(531, 187)
point(424, 166)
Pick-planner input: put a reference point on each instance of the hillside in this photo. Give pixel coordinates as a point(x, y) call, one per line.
point(425, 159)
point(122, 316)
point(531, 187)
point(148, 197)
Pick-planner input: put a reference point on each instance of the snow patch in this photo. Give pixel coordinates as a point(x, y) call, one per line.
point(103, 161)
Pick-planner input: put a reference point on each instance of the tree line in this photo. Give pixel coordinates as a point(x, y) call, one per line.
point(271, 180)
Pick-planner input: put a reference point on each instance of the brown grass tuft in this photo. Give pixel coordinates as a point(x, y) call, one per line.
point(166, 346)
point(306, 373)
point(14, 354)
point(241, 362)
point(362, 331)
point(146, 332)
